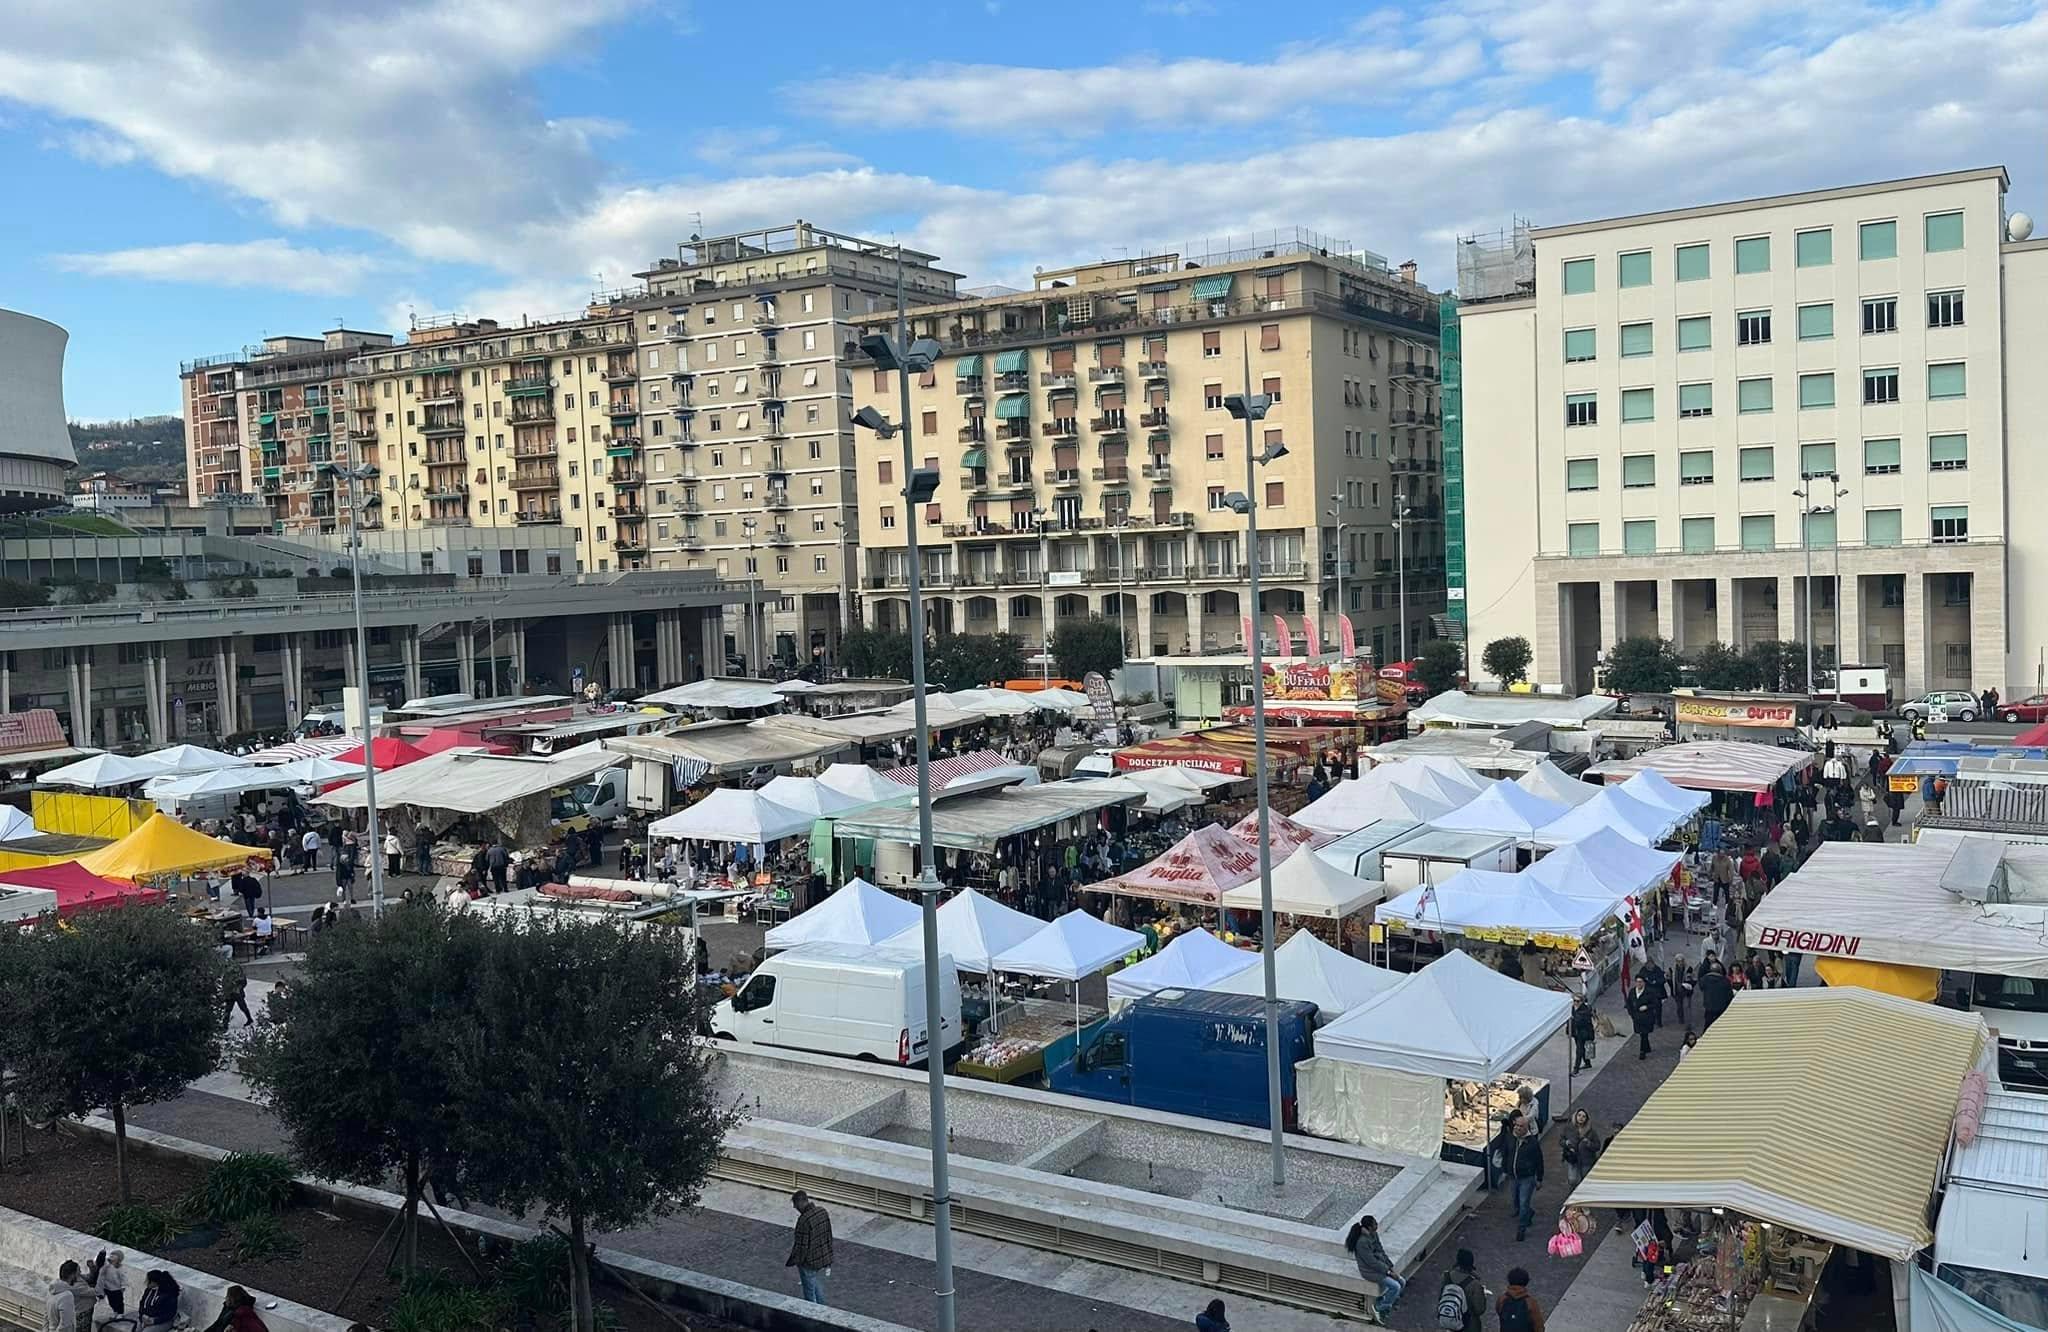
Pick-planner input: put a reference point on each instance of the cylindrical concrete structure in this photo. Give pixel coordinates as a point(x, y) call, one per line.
point(35, 443)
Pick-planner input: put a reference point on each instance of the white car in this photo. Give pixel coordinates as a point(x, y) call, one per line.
point(1941, 705)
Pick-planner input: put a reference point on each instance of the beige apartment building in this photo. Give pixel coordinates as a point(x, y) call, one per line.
point(1679, 414)
point(1086, 456)
point(749, 446)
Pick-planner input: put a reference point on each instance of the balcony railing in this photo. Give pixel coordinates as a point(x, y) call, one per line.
point(973, 434)
point(544, 478)
point(1058, 379)
point(1109, 424)
point(1106, 374)
point(1113, 475)
point(1153, 419)
point(1152, 369)
point(529, 384)
point(1062, 427)
point(969, 386)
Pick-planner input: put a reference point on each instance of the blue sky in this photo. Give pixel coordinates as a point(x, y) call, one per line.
point(203, 173)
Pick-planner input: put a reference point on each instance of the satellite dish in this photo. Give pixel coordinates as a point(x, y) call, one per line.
point(2018, 227)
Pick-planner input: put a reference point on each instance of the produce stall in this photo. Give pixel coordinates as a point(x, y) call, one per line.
point(1070, 948)
point(1029, 1027)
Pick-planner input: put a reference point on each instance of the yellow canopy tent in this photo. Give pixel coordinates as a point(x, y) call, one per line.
point(162, 847)
point(1922, 983)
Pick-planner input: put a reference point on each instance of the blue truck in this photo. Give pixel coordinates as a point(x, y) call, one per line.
point(1189, 1052)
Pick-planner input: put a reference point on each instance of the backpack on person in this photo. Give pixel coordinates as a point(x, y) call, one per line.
point(1514, 1314)
point(1451, 1307)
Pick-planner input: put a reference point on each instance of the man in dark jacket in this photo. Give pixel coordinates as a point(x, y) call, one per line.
point(1466, 1280)
point(1582, 1034)
point(1715, 994)
point(1525, 1167)
point(1655, 986)
point(811, 1252)
point(1642, 1015)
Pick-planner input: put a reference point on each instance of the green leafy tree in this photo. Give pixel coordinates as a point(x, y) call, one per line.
point(590, 1085)
point(1093, 644)
point(117, 1009)
point(1642, 666)
point(364, 1059)
point(1439, 665)
point(1779, 665)
point(969, 661)
point(1507, 659)
point(1717, 666)
point(876, 654)
point(18, 595)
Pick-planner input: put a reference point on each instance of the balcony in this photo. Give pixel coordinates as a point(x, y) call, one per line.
point(1154, 419)
point(1106, 374)
point(1157, 470)
point(528, 386)
point(533, 448)
point(778, 501)
point(974, 434)
point(770, 354)
point(766, 318)
point(618, 372)
point(691, 541)
point(778, 537)
point(435, 395)
point(628, 513)
point(1063, 477)
point(535, 478)
point(622, 446)
point(1111, 423)
point(775, 466)
point(969, 386)
point(1061, 427)
point(1115, 476)
point(627, 478)
point(447, 520)
point(533, 411)
point(1406, 464)
point(622, 409)
point(771, 392)
point(774, 426)
point(1019, 381)
point(363, 434)
point(630, 545)
point(458, 491)
point(537, 517)
point(1152, 369)
point(443, 428)
point(686, 440)
point(1058, 379)
point(1414, 371)
point(690, 508)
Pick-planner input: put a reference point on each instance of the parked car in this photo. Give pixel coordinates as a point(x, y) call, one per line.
point(1957, 704)
point(2033, 708)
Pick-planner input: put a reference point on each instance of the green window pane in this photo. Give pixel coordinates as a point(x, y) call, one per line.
point(1878, 240)
point(1692, 263)
point(1816, 459)
point(1816, 321)
point(1880, 456)
point(1635, 269)
point(1639, 537)
point(1695, 333)
point(1948, 512)
point(1816, 249)
point(1944, 232)
point(1948, 453)
point(1578, 344)
point(1637, 340)
point(1581, 409)
point(1817, 390)
point(1758, 464)
point(1638, 404)
point(1753, 395)
point(1696, 467)
point(1820, 530)
point(1583, 538)
point(1753, 254)
point(1759, 531)
point(1695, 399)
point(1582, 474)
point(1638, 470)
point(1578, 276)
point(1696, 535)
point(1946, 381)
point(1881, 527)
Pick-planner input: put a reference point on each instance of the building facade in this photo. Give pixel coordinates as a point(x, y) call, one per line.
point(1086, 456)
point(1696, 416)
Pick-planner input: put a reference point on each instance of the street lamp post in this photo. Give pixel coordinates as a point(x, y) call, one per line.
point(1401, 565)
point(374, 846)
point(1332, 634)
point(1117, 536)
point(748, 526)
point(1044, 600)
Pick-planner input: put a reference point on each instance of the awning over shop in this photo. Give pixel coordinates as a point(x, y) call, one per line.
point(974, 458)
point(982, 820)
point(163, 847)
point(1013, 407)
point(1213, 288)
point(1455, 1018)
point(1711, 765)
point(1013, 362)
point(459, 781)
point(1795, 1061)
point(967, 367)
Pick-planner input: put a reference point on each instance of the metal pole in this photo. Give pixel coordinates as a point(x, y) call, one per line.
point(1266, 926)
point(927, 878)
point(1044, 604)
point(1117, 535)
point(1335, 634)
point(375, 850)
point(1841, 647)
point(1806, 541)
point(1401, 564)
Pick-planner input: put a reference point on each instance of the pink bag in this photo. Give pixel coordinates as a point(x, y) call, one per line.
point(1566, 1242)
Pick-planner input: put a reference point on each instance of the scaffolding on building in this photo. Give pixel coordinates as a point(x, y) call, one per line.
point(1497, 265)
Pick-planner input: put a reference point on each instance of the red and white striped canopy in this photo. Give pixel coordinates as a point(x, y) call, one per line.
point(1712, 765)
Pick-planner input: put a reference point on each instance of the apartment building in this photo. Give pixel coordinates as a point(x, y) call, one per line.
point(262, 421)
point(1086, 456)
point(749, 455)
point(1801, 418)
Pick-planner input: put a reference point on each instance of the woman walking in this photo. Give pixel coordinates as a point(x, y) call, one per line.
point(1683, 982)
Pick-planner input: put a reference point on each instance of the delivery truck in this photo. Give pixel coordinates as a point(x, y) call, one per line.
point(843, 999)
point(1189, 1052)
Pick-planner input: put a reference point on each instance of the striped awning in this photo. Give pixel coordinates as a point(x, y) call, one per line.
point(945, 770)
point(319, 746)
point(1012, 362)
point(1212, 288)
point(975, 458)
point(1711, 765)
point(1844, 1102)
point(967, 367)
point(1013, 408)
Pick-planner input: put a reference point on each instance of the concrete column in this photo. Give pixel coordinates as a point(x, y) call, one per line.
point(223, 688)
point(1194, 617)
point(710, 643)
point(415, 678)
point(1724, 610)
point(1915, 618)
point(6, 682)
point(1610, 618)
point(1849, 614)
point(1667, 609)
point(1988, 640)
point(294, 678)
point(1142, 619)
point(155, 705)
point(1791, 625)
point(1002, 611)
point(465, 660)
point(518, 635)
point(238, 714)
point(348, 663)
point(85, 696)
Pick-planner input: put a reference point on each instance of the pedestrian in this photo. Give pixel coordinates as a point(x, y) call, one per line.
point(1683, 982)
point(112, 1282)
point(159, 1307)
point(422, 850)
point(1655, 985)
point(498, 859)
point(1374, 1267)
point(1721, 870)
point(1211, 1318)
point(1517, 1308)
point(309, 850)
point(1716, 993)
point(238, 997)
point(1642, 1016)
point(1579, 1145)
point(394, 853)
point(1792, 970)
point(1525, 1167)
point(1582, 1034)
point(248, 889)
point(60, 1307)
point(811, 1251)
point(1461, 1301)
point(1685, 1046)
point(345, 873)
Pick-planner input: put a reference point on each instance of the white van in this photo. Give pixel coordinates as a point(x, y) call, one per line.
point(2016, 1007)
point(603, 797)
point(842, 1000)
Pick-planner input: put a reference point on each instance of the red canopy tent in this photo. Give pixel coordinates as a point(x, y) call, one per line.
point(386, 752)
point(78, 888)
point(1198, 868)
point(1287, 836)
point(433, 742)
point(2033, 735)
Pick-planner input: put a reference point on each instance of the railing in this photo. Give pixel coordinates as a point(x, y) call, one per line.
point(535, 480)
point(1058, 379)
point(1106, 374)
point(1112, 423)
point(1063, 476)
point(622, 407)
point(1113, 474)
point(1061, 426)
point(973, 434)
point(1152, 369)
point(968, 386)
point(1154, 418)
point(540, 516)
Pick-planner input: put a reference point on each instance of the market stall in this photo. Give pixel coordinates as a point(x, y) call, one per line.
point(1196, 870)
point(720, 696)
point(1456, 708)
point(163, 851)
point(16, 825)
point(1154, 798)
point(1195, 960)
point(858, 913)
point(1614, 810)
point(1576, 931)
point(1654, 788)
point(1710, 765)
point(1502, 808)
point(1075, 946)
point(386, 753)
point(1284, 835)
point(187, 760)
point(860, 782)
point(808, 795)
point(467, 798)
point(1553, 783)
point(1603, 863)
point(1310, 971)
point(76, 888)
point(100, 772)
point(1351, 805)
point(1316, 895)
point(1454, 773)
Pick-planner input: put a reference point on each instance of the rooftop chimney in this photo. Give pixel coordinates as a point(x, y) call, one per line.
point(1408, 270)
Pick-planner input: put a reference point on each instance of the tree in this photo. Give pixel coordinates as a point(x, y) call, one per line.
point(969, 661)
point(1718, 666)
point(364, 1059)
point(124, 1009)
point(1507, 659)
point(1439, 665)
point(1642, 666)
point(18, 595)
point(876, 653)
point(590, 1084)
point(1093, 644)
point(1779, 664)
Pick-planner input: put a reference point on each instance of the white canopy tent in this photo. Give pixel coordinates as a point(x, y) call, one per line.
point(1492, 904)
point(315, 769)
point(1310, 971)
point(1455, 707)
point(1157, 797)
point(992, 702)
point(1611, 809)
point(16, 826)
point(972, 929)
point(185, 760)
point(1067, 701)
point(1604, 862)
point(861, 782)
point(1554, 783)
point(222, 782)
point(859, 913)
point(1195, 960)
point(1502, 808)
point(100, 772)
point(1454, 772)
point(1653, 788)
point(718, 694)
point(1350, 805)
point(731, 815)
point(1455, 1018)
point(1305, 884)
point(1075, 945)
point(809, 795)
point(1199, 780)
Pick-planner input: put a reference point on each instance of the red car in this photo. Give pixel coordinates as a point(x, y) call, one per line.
point(2031, 709)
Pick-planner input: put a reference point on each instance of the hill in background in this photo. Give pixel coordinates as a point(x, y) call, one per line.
point(148, 449)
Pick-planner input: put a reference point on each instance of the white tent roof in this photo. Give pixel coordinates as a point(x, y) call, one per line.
point(222, 781)
point(1159, 797)
point(1199, 780)
point(316, 768)
point(809, 795)
point(1075, 945)
point(466, 781)
point(859, 913)
point(717, 694)
point(991, 702)
point(1613, 809)
point(1454, 1018)
point(1502, 808)
point(1350, 805)
point(1196, 960)
point(1554, 783)
point(1308, 970)
point(860, 781)
point(1712, 765)
point(1305, 884)
point(972, 929)
point(732, 815)
point(15, 825)
point(1061, 700)
point(1605, 862)
point(794, 687)
point(1453, 772)
point(99, 772)
point(186, 759)
point(1654, 788)
point(1455, 707)
point(1508, 907)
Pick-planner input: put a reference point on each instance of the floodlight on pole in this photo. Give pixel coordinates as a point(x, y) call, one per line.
point(374, 844)
point(1336, 511)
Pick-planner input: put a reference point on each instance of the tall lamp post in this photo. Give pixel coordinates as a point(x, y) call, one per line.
point(1038, 517)
point(748, 527)
point(1249, 407)
point(1806, 494)
point(1117, 536)
point(908, 358)
point(1336, 512)
point(1401, 565)
point(354, 473)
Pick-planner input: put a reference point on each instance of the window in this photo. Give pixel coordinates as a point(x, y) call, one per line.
point(1639, 536)
point(1817, 390)
point(1581, 409)
point(1276, 494)
point(1759, 464)
point(1638, 404)
point(1881, 385)
point(1582, 539)
point(1949, 523)
point(1877, 240)
point(1881, 527)
point(1216, 503)
point(1880, 457)
point(1944, 232)
point(1578, 344)
point(1948, 453)
point(888, 516)
point(1816, 321)
point(1695, 333)
point(931, 423)
point(1753, 395)
point(1213, 447)
point(1759, 531)
point(1635, 269)
point(1816, 460)
point(1269, 337)
point(1816, 249)
point(1696, 535)
point(1881, 314)
point(1944, 309)
point(1578, 276)
point(1270, 386)
point(1582, 474)
point(1637, 340)
point(1946, 381)
point(885, 471)
point(1212, 396)
point(1696, 467)
point(1753, 254)
point(1638, 470)
point(1212, 345)
point(1691, 263)
point(1752, 328)
point(1819, 529)
point(1695, 400)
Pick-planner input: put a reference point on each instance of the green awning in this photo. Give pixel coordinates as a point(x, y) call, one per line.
point(967, 367)
point(1013, 406)
point(319, 411)
point(1012, 362)
point(1212, 288)
point(267, 418)
point(975, 458)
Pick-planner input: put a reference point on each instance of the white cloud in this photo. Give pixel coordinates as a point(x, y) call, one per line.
point(262, 263)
